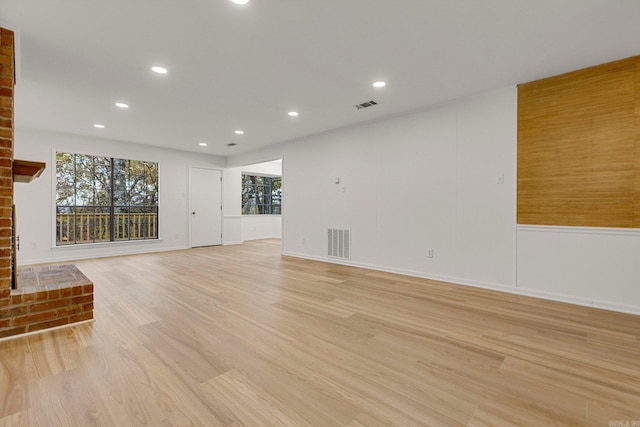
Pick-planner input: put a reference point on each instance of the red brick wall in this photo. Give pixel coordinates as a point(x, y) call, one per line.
point(48, 307)
point(42, 306)
point(6, 169)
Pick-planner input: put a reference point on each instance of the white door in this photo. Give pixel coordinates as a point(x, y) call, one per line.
point(206, 207)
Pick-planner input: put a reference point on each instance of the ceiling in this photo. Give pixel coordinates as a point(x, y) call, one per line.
point(235, 67)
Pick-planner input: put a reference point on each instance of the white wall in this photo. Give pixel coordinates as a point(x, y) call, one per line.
point(261, 227)
point(35, 201)
point(237, 227)
point(588, 266)
point(426, 180)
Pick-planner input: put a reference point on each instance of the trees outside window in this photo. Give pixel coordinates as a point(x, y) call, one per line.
point(261, 195)
point(105, 199)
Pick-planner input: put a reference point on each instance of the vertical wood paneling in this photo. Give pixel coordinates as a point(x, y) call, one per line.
point(578, 156)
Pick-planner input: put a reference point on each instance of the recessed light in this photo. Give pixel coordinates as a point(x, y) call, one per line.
point(98, 126)
point(240, 1)
point(158, 69)
point(293, 113)
point(379, 84)
point(122, 105)
point(202, 144)
point(239, 132)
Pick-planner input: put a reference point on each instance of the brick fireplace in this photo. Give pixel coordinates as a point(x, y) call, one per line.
point(45, 297)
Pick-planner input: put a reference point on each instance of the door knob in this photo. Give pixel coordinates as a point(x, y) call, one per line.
point(193, 213)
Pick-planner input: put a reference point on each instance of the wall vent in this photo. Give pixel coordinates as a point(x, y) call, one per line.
point(366, 105)
point(339, 243)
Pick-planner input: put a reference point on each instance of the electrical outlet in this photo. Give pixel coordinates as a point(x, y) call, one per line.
point(429, 253)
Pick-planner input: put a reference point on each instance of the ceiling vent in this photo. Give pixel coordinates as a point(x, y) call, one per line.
point(366, 105)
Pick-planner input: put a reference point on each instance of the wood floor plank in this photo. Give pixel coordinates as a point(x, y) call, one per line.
point(249, 404)
point(240, 336)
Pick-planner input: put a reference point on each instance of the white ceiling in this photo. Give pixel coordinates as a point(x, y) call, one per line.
point(244, 67)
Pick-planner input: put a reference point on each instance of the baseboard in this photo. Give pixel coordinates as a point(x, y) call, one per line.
point(606, 231)
point(78, 255)
point(586, 302)
point(278, 236)
point(411, 273)
point(569, 299)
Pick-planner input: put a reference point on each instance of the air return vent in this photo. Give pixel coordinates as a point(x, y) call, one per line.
point(339, 243)
point(366, 105)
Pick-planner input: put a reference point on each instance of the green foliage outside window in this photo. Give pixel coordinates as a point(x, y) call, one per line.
point(261, 195)
point(103, 199)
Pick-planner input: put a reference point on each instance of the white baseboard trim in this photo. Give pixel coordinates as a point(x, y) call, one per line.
point(263, 237)
point(42, 331)
point(411, 273)
point(78, 255)
point(586, 302)
point(232, 242)
point(606, 231)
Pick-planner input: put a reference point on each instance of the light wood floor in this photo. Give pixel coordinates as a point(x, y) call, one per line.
point(240, 336)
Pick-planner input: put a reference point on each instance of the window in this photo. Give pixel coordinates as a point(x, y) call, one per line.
point(104, 199)
point(261, 195)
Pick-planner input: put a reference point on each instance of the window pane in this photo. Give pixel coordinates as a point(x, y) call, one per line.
point(84, 180)
point(121, 223)
point(261, 195)
point(136, 218)
point(102, 181)
point(120, 191)
point(150, 227)
point(151, 180)
point(137, 182)
point(101, 199)
point(65, 225)
point(65, 179)
point(102, 224)
point(84, 221)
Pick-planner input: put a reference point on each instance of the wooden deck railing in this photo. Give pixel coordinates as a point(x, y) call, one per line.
point(86, 228)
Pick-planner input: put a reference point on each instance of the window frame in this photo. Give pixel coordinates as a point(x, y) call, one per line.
point(110, 208)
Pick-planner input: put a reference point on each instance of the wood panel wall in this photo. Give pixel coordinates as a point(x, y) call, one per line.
point(579, 148)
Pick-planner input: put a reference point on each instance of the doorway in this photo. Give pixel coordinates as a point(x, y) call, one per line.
point(205, 207)
point(261, 206)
